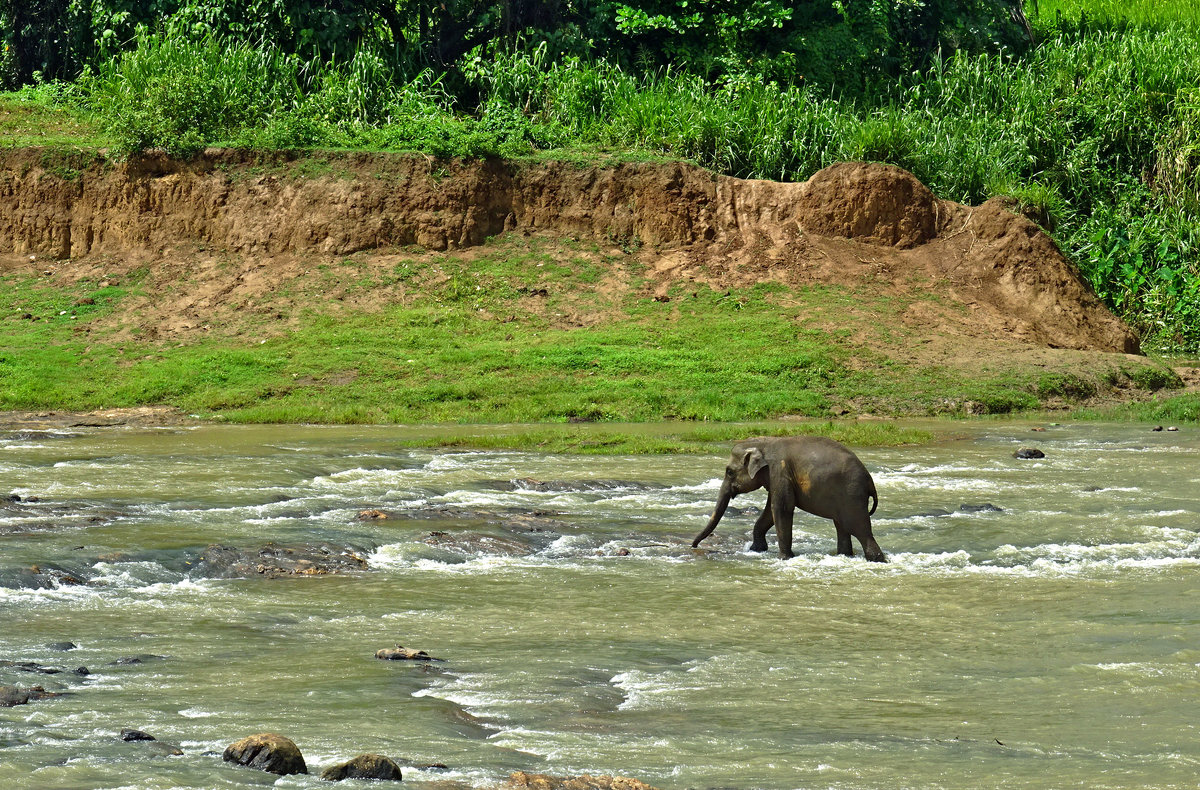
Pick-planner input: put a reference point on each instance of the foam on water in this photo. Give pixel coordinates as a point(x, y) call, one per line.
point(650, 663)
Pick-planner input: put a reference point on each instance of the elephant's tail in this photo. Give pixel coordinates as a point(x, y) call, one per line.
point(874, 499)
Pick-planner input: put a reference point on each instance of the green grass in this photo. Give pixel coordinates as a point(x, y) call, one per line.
point(50, 116)
point(1153, 14)
point(476, 341)
point(691, 439)
point(1177, 409)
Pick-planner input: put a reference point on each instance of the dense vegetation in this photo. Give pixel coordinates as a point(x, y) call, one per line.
point(1094, 129)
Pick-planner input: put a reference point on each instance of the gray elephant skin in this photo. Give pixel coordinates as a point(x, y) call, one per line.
point(817, 475)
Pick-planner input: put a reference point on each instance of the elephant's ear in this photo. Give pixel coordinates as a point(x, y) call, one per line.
point(754, 461)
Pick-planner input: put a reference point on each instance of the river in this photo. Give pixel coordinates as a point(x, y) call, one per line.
point(1047, 634)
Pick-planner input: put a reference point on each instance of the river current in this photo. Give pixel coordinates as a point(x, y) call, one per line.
point(1038, 624)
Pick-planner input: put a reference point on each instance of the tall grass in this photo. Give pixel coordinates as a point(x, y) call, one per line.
point(1120, 13)
point(179, 94)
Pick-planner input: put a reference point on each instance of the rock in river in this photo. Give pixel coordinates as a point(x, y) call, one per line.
point(1029, 452)
point(268, 752)
point(274, 561)
point(364, 766)
point(399, 653)
point(136, 735)
point(15, 695)
point(523, 781)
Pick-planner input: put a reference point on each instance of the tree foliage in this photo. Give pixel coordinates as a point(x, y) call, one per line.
point(834, 43)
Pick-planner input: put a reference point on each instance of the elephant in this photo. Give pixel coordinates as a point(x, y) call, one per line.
point(815, 474)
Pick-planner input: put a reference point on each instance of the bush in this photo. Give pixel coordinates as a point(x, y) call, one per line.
point(1152, 378)
point(1065, 385)
point(180, 95)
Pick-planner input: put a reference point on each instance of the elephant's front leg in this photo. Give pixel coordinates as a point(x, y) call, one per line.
point(844, 546)
point(765, 521)
point(782, 515)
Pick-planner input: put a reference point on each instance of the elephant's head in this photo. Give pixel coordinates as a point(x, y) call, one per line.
point(746, 471)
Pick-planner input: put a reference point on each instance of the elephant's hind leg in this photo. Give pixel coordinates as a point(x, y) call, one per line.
point(758, 541)
point(859, 525)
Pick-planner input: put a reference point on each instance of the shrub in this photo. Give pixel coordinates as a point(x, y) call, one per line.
point(1065, 385)
point(178, 94)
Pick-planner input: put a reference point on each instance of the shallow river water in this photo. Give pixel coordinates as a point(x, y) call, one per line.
point(1050, 640)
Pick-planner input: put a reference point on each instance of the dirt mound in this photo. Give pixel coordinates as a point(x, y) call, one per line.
point(874, 204)
point(852, 223)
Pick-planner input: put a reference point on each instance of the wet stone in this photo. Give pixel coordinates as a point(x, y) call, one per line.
point(29, 666)
point(476, 543)
point(400, 653)
point(274, 561)
point(136, 735)
point(372, 515)
point(986, 507)
point(62, 647)
point(560, 486)
point(1029, 452)
point(141, 658)
point(15, 695)
point(364, 766)
point(268, 752)
point(521, 780)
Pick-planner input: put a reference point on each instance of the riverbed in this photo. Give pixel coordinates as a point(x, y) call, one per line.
point(1038, 624)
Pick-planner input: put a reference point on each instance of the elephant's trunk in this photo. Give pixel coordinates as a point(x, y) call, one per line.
point(723, 498)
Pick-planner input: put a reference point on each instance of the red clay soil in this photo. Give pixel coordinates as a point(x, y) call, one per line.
point(851, 223)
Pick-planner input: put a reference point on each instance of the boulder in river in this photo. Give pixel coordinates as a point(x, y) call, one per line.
point(128, 734)
point(29, 666)
point(15, 695)
point(372, 515)
point(364, 766)
point(275, 561)
point(267, 751)
point(985, 507)
point(478, 543)
point(399, 653)
point(1029, 452)
point(520, 780)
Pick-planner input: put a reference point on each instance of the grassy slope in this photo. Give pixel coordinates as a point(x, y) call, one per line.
point(494, 335)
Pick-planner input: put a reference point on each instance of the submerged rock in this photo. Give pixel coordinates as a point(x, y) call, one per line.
point(533, 484)
point(364, 766)
point(399, 653)
point(46, 577)
point(1029, 452)
point(526, 781)
point(152, 744)
point(986, 507)
point(15, 695)
point(136, 735)
point(141, 658)
point(29, 666)
point(275, 561)
point(267, 751)
point(372, 515)
point(477, 543)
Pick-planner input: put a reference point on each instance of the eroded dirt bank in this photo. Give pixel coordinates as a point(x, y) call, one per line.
point(849, 224)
